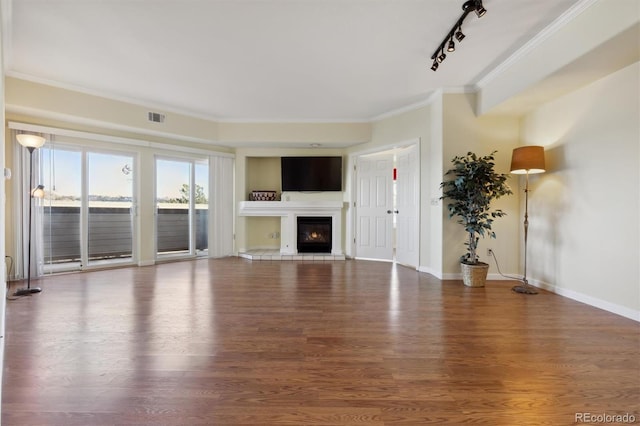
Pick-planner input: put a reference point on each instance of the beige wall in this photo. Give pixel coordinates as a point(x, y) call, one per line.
point(463, 132)
point(329, 135)
point(585, 231)
point(81, 111)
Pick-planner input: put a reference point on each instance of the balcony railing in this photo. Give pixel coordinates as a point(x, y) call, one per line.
point(110, 232)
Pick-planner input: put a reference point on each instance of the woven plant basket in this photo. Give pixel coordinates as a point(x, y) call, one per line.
point(474, 275)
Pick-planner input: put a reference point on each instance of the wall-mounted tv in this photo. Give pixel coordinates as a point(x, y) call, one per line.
point(311, 173)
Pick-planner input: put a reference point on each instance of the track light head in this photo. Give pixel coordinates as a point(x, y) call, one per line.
point(434, 67)
point(459, 35)
point(451, 47)
point(442, 57)
point(474, 5)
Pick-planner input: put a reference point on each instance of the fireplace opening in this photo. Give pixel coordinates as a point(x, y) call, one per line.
point(314, 234)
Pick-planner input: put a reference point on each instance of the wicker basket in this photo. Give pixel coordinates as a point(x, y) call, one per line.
point(262, 196)
point(474, 275)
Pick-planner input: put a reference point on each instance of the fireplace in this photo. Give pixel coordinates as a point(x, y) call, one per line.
point(314, 234)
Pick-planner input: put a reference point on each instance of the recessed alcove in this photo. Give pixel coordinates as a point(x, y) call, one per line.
point(288, 213)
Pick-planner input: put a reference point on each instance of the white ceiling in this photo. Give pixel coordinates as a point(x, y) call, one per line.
point(265, 60)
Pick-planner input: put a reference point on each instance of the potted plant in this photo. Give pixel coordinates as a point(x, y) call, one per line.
point(472, 185)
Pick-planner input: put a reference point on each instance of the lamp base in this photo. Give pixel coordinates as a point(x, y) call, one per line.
point(525, 289)
point(27, 291)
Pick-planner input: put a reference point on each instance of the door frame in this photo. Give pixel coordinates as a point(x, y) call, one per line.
point(84, 264)
point(352, 185)
point(192, 161)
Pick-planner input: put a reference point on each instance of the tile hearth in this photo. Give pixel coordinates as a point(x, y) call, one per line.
point(275, 255)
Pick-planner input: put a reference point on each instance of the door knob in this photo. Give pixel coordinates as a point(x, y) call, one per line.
point(389, 211)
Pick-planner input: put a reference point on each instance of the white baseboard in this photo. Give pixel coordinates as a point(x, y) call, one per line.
point(458, 276)
point(589, 300)
point(574, 295)
point(430, 271)
point(146, 263)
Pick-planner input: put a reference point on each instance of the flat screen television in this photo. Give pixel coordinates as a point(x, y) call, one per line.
point(311, 173)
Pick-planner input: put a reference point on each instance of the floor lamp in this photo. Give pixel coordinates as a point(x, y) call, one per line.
point(31, 142)
point(527, 160)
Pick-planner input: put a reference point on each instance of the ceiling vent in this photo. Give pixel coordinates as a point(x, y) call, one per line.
point(156, 117)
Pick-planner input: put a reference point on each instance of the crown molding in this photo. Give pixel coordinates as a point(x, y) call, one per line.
point(101, 94)
point(570, 14)
point(292, 121)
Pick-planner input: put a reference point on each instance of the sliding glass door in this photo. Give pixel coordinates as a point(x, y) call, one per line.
point(182, 207)
point(88, 208)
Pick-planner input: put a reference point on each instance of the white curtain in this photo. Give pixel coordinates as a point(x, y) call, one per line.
point(221, 206)
point(21, 199)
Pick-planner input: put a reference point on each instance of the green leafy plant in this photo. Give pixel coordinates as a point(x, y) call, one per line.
point(471, 186)
point(201, 197)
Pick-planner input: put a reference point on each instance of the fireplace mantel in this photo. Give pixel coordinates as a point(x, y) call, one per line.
point(288, 211)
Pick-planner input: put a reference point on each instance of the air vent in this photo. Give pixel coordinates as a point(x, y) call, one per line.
point(156, 117)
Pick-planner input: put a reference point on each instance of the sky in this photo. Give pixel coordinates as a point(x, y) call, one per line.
point(112, 174)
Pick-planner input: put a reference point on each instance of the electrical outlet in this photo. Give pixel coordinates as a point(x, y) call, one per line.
point(489, 252)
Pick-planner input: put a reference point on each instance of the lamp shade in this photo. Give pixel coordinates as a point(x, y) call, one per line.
point(30, 141)
point(527, 159)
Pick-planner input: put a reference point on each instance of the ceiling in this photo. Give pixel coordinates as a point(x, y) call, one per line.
point(265, 60)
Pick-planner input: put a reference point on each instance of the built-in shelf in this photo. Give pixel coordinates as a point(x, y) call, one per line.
point(288, 211)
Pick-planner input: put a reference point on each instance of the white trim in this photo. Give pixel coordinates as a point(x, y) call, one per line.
point(146, 263)
point(411, 107)
point(570, 14)
point(589, 300)
point(383, 148)
point(574, 295)
point(292, 120)
point(112, 139)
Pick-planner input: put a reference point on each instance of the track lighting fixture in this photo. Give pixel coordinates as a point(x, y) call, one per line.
point(468, 7)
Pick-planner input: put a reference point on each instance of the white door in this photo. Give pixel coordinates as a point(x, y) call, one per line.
point(374, 207)
point(407, 230)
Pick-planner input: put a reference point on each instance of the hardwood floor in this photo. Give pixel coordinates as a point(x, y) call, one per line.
point(235, 342)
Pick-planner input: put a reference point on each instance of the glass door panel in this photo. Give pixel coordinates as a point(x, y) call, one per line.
point(173, 200)
point(61, 230)
point(110, 207)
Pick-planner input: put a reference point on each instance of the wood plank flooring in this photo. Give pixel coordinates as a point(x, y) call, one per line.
point(235, 342)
